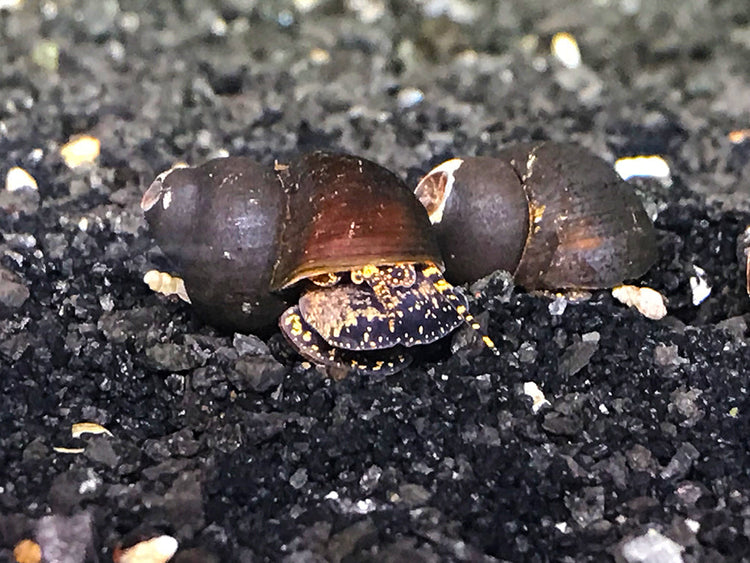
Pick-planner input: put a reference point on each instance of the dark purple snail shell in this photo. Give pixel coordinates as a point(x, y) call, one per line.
point(554, 215)
point(217, 224)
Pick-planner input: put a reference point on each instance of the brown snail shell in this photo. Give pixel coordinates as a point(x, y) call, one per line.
point(554, 215)
point(345, 212)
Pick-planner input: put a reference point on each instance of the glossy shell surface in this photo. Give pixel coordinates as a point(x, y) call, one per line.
point(494, 198)
point(585, 227)
point(217, 224)
point(345, 212)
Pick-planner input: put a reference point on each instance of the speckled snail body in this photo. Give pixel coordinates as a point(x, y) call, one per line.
point(343, 233)
point(554, 215)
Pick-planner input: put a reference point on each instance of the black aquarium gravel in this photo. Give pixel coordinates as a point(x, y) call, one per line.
point(638, 450)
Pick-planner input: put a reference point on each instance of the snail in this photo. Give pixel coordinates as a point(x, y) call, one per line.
point(554, 215)
point(334, 246)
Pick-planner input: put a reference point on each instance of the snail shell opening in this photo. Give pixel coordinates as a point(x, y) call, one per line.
point(436, 187)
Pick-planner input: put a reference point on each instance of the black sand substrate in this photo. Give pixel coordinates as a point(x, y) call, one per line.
point(232, 445)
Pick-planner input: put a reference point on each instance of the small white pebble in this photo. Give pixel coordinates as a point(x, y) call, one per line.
point(468, 57)
point(562, 526)
point(116, 51)
point(592, 336)
point(48, 9)
point(692, 525)
point(19, 179)
point(80, 150)
point(305, 6)
point(130, 22)
point(643, 166)
point(81, 428)
point(163, 283)
point(557, 306)
point(409, 97)
point(565, 49)
point(62, 450)
point(699, 285)
point(203, 139)
point(652, 546)
point(219, 27)
point(156, 550)
point(364, 506)
point(107, 303)
point(89, 485)
point(319, 56)
point(649, 302)
point(532, 390)
point(36, 155)
point(368, 11)
point(10, 4)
